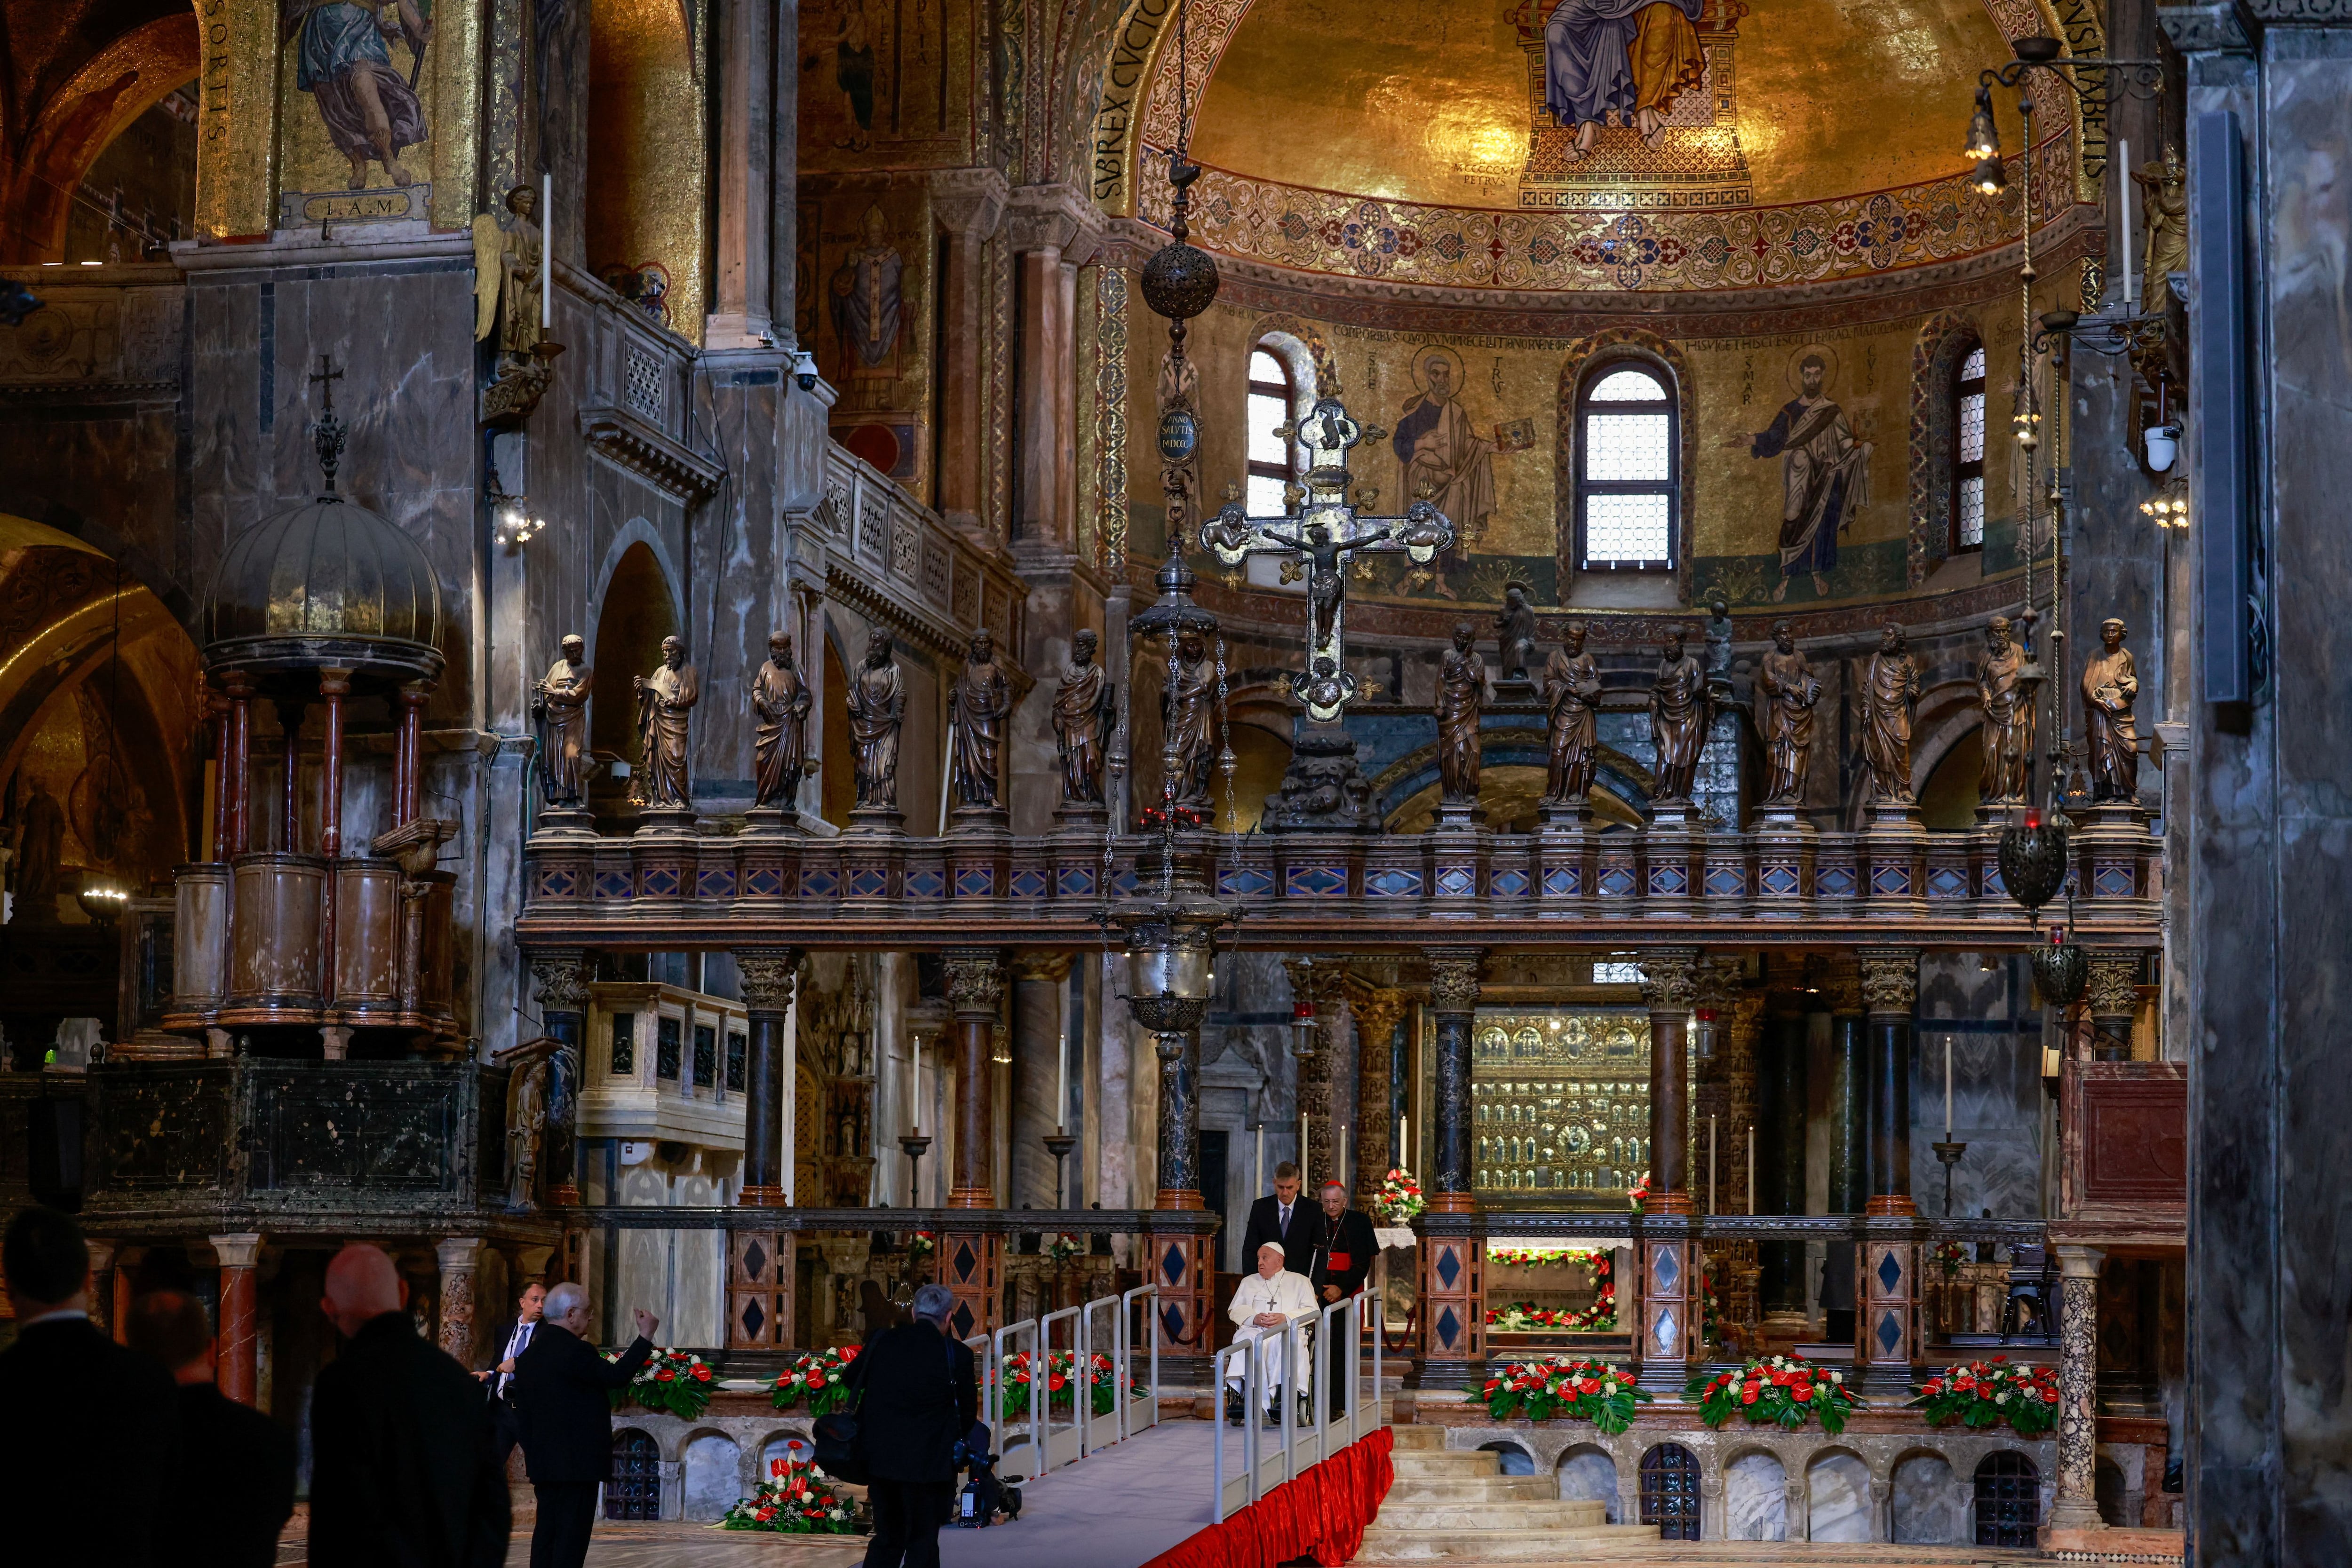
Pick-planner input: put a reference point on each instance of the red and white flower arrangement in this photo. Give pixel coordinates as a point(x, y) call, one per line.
point(1018, 1373)
point(1949, 1255)
point(1560, 1389)
point(674, 1380)
point(821, 1379)
point(1399, 1200)
point(1987, 1393)
point(1640, 1195)
point(1776, 1390)
point(794, 1499)
point(1062, 1246)
point(1522, 1317)
point(922, 1244)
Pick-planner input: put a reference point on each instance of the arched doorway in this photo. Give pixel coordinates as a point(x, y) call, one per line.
point(2008, 1500)
point(1670, 1494)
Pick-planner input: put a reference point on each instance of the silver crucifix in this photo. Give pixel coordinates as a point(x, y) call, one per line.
point(1322, 535)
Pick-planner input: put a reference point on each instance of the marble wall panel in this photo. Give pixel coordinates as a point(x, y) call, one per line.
point(713, 1479)
point(1590, 1474)
point(1515, 1461)
point(1930, 1503)
point(1755, 1499)
point(1837, 1490)
point(1999, 1109)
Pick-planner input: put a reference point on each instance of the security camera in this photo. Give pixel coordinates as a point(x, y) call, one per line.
point(805, 369)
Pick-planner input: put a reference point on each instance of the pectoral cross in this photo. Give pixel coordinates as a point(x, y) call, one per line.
point(1319, 539)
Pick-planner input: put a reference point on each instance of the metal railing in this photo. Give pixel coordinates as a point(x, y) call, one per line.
point(1336, 1332)
point(1034, 1445)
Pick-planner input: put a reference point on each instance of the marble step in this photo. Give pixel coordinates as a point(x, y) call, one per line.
point(1462, 1462)
point(1589, 1544)
point(1419, 1439)
point(1473, 1488)
point(1489, 1514)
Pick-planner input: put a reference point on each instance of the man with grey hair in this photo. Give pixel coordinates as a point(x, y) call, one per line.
point(921, 1393)
point(562, 1404)
point(1264, 1303)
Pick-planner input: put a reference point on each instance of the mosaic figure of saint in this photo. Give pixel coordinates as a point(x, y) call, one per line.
point(1824, 475)
point(344, 61)
point(1441, 457)
point(868, 312)
point(1622, 60)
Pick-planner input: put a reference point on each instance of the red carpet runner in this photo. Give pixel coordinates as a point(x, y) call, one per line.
point(1321, 1514)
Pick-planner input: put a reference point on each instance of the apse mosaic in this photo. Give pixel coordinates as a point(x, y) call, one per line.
point(1559, 1103)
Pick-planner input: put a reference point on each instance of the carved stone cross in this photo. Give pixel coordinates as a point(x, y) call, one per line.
point(1321, 537)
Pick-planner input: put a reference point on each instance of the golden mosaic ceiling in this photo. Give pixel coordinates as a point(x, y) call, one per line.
point(1802, 100)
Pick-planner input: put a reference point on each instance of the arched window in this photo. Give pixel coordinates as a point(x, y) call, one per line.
point(1669, 1491)
point(635, 1490)
point(1270, 402)
point(1626, 457)
point(2008, 1500)
point(1967, 453)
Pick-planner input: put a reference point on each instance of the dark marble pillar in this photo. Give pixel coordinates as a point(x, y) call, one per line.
point(1039, 983)
point(560, 977)
point(238, 1368)
point(1849, 1172)
point(1379, 1020)
point(1180, 1118)
point(1890, 991)
point(975, 990)
point(1780, 1153)
point(2076, 1506)
point(1315, 987)
point(1668, 1327)
point(767, 974)
point(1454, 998)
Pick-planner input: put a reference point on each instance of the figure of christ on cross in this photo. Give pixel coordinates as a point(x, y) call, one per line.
point(1323, 536)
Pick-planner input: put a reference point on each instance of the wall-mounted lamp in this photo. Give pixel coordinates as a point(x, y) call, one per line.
point(2170, 508)
point(511, 524)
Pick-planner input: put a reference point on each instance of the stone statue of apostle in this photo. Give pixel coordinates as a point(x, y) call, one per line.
point(2008, 718)
point(1890, 685)
point(1461, 700)
point(1516, 629)
point(2110, 686)
point(1085, 708)
point(877, 702)
point(980, 704)
point(1189, 711)
point(1678, 720)
point(1572, 695)
point(1790, 694)
point(560, 704)
point(781, 700)
point(665, 698)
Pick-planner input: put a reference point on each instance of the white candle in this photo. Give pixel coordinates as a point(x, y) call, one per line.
point(1305, 1175)
point(915, 1092)
point(1710, 1164)
point(2124, 222)
point(1404, 1143)
point(1257, 1175)
point(546, 251)
point(1339, 1165)
point(1948, 1089)
point(1751, 1170)
point(1061, 1084)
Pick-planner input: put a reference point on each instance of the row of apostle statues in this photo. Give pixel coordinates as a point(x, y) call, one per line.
point(1687, 695)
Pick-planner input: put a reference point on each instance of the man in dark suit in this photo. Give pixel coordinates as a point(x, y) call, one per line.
point(87, 1428)
point(921, 1393)
point(402, 1469)
point(514, 1337)
point(232, 1490)
point(1348, 1253)
point(562, 1404)
point(1285, 1218)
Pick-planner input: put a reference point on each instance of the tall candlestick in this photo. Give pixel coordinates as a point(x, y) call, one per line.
point(1062, 1083)
point(1710, 1164)
point(1948, 1089)
point(546, 251)
point(2124, 222)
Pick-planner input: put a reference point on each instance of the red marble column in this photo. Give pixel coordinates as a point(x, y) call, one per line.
point(238, 1367)
point(223, 736)
point(238, 778)
point(101, 1284)
point(459, 1256)
point(970, 1257)
point(408, 803)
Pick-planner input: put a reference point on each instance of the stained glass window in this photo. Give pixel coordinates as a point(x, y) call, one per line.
point(1967, 453)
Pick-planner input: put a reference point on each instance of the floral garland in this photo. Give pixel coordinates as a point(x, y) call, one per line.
point(1560, 1389)
point(1778, 1390)
point(821, 1379)
point(1064, 1247)
point(1949, 1255)
point(1102, 1384)
point(1987, 1393)
point(677, 1381)
point(1521, 1317)
point(1399, 1201)
point(1060, 1369)
point(795, 1499)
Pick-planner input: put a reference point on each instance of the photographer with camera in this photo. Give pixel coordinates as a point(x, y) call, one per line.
point(920, 1395)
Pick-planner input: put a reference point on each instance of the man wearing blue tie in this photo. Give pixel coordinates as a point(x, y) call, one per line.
point(500, 1377)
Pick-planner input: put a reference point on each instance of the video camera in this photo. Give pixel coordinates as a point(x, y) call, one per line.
point(985, 1499)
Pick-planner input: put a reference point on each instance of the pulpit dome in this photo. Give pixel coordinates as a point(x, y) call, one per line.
point(325, 584)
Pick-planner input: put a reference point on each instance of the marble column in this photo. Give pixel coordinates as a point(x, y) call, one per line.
point(1890, 993)
point(1668, 1330)
point(239, 1369)
point(1040, 981)
point(561, 977)
point(2113, 997)
point(1179, 1051)
point(459, 1256)
point(971, 1258)
point(1451, 1260)
point(741, 314)
point(1379, 1014)
point(767, 976)
point(238, 778)
point(1052, 230)
point(970, 206)
point(1314, 986)
point(100, 1298)
point(2076, 1506)
point(1780, 1151)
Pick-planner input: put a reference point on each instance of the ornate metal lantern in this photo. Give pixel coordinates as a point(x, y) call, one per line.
point(2061, 971)
point(2033, 860)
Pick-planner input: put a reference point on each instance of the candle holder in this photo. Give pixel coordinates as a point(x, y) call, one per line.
point(1059, 1144)
point(1950, 1153)
point(916, 1145)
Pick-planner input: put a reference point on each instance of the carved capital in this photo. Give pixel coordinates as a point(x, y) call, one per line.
point(1670, 979)
point(458, 1254)
point(1890, 981)
point(1378, 1011)
point(969, 202)
point(1718, 983)
point(975, 982)
point(242, 1250)
point(1052, 217)
point(560, 980)
point(1052, 967)
point(1454, 979)
point(2114, 983)
point(1313, 982)
point(768, 974)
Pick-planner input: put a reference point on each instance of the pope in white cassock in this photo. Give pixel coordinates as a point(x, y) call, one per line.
point(1262, 1304)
